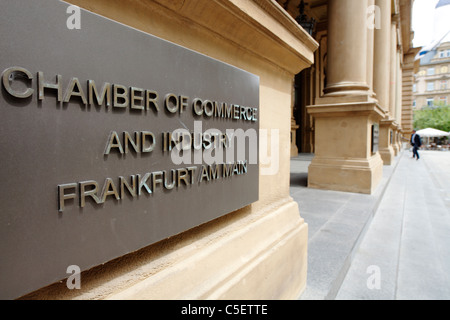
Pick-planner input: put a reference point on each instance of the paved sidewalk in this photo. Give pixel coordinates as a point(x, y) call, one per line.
point(396, 233)
point(405, 254)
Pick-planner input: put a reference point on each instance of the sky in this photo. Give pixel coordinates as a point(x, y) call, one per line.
point(429, 23)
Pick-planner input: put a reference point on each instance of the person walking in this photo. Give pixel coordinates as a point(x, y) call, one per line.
point(416, 142)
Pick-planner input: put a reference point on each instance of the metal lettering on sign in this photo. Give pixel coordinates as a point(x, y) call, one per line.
point(111, 140)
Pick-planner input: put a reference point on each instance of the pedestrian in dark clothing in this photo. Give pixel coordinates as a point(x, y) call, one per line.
point(416, 142)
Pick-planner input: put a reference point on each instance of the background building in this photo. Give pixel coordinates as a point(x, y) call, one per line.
point(432, 81)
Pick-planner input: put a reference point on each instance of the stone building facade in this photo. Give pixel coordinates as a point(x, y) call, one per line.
point(432, 81)
point(336, 91)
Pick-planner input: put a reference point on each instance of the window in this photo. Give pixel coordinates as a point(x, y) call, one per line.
point(430, 102)
point(443, 100)
point(422, 73)
point(442, 54)
point(448, 53)
point(430, 86)
point(443, 85)
point(414, 87)
point(414, 103)
point(430, 71)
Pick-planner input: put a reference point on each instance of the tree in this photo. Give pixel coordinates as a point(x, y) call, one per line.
point(437, 117)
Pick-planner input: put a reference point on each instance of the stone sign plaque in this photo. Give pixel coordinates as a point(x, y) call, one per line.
point(111, 140)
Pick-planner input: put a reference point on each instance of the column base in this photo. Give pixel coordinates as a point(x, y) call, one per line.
point(387, 155)
point(396, 144)
point(261, 258)
point(396, 150)
point(348, 175)
point(387, 140)
point(346, 158)
point(294, 149)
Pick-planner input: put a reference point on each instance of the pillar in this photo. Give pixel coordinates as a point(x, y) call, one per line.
point(347, 48)
point(393, 70)
point(381, 77)
point(407, 91)
point(398, 102)
point(294, 125)
point(393, 82)
point(344, 159)
point(370, 47)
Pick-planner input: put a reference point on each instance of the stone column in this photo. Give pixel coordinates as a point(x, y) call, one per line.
point(382, 54)
point(344, 159)
point(393, 70)
point(398, 102)
point(407, 91)
point(294, 125)
point(370, 45)
point(393, 82)
point(347, 47)
point(381, 80)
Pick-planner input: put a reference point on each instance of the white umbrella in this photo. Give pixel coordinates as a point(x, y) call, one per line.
point(430, 132)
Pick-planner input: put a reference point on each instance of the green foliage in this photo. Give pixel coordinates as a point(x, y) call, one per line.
point(435, 117)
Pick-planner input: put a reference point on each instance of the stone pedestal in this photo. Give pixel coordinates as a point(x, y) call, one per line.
point(344, 160)
point(386, 149)
point(257, 252)
point(397, 144)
